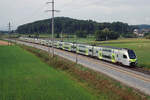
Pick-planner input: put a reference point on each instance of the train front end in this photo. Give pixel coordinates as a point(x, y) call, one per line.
point(132, 58)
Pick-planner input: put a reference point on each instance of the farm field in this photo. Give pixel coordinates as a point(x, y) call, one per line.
point(140, 46)
point(24, 77)
point(3, 43)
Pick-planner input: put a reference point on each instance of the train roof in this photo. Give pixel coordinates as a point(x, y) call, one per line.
point(112, 47)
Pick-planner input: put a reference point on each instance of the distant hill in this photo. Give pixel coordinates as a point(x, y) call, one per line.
point(69, 25)
point(143, 26)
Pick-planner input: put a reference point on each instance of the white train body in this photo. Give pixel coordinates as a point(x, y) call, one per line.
point(116, 55)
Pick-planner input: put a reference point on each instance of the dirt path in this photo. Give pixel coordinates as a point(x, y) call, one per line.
point(3, 42)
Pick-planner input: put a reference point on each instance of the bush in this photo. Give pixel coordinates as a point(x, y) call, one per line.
point(146, 34)
point(129, 35)
point(147, 37)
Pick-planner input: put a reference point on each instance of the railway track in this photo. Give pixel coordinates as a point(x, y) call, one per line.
point(132, 77)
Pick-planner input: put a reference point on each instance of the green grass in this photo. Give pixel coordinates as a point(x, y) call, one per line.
point(140, 46)
point(24, 77)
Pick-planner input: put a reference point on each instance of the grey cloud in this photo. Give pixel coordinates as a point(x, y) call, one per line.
point(24, 11)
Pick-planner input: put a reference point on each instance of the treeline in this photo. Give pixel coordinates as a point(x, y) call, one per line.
point(144, 26)
point(74, 26)
point(3, 32)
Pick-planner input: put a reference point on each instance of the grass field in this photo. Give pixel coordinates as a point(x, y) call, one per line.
point(24, 77)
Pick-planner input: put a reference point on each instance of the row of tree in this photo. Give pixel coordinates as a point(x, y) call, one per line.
point(80, 27)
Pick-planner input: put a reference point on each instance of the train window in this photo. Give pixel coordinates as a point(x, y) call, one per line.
point(131, 54)
point(124, 56)
point(90, 50)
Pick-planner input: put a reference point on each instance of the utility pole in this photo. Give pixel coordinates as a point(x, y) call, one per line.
point(76, 51)
point(62, 36)
point(9, 32)
point(53, 10)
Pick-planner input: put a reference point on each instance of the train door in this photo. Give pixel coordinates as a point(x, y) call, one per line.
point(118, 56)
point(95, 51)
point(125, 59)
point(90, 49)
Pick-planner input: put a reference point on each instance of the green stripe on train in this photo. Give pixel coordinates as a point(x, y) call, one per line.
point(113, 58)
point(100, 55)
point(69, 48)
point(132, 60)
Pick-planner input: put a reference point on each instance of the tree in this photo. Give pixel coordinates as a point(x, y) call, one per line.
point(129, 35)
point(106, 34)
point(81, 34)
point(58, 35)
point(100, 36)
point(120, 27)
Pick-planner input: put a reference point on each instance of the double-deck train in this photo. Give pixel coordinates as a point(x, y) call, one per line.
point(123, 56)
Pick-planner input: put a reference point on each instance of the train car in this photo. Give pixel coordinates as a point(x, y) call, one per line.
point(49, 43)
point(42, 42)
point(116, 55)
point(26, 39)
point(73, 47)
point(46, 43)
point(84, 49)
point(36, 41)
point(67, 46)
point(56, 44)
point(127, 57)
point(32, 40)
point(60, 44)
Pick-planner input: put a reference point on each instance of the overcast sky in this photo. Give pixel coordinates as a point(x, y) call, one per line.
point(24, 11)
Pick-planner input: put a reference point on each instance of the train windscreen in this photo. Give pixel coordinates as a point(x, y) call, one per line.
point(131, 54)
